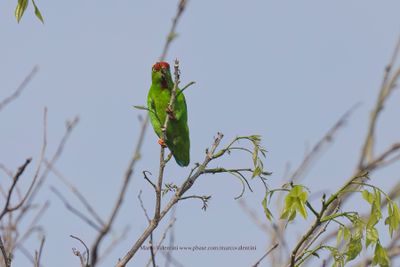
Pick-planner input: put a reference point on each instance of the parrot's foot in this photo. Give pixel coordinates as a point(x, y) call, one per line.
point(162, 142)
point(170, 113)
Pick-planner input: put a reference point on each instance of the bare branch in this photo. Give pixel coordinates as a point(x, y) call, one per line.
point(148, 179)
point(265, 255)
point(315, 152)
point(204, 199)
point(260, 222)
point(172, 32)
point(27, 254)
point(6, 256)
point(79, 254)
point(142, 206)
point(19, 89)
point(113, 244)
point(38, 254)
point(39, 164)
point(16, 177)
point(169, 226)
point(6, 170)
point(77, 193)
point(70, 126)
point(74, 210)
point(382, 158)
point(153, 257)
point(387, 87)
point(32, 225)
point(126, 179)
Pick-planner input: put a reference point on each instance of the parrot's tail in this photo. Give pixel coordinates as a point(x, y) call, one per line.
point(183, 162)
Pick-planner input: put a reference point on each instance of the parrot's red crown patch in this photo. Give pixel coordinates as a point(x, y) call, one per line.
point(160, 65)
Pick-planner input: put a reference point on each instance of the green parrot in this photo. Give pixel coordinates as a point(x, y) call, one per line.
point(158, 99)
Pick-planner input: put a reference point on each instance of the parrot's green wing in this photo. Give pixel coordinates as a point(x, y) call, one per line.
point(154, 119)
point(178, 133)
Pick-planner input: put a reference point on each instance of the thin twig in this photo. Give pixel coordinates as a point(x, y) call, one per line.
point(74, 210)
point(16, 177)
point(126, 179)
point(7, 259)
point(379, 160)
point(148, 179)
point(315, 152)
point(113, 244)
point(142, 206)
point(32, 225)
point(76, 192)
point(221, 170)
point(265, 255)
point(172, 33)
point(171, 260)
point(260, 222)
point(152, 254)
point(86, 248)
point(39, 164)
point(153, 260)
point(27, 254)
point(386, 88)
point(6, 170)
point(38, 255)
point(168, 256)
point(70, 126)
point(204, 199)
point(164, 235)
point(19, 89)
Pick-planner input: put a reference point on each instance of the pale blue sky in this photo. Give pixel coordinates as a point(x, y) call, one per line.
point(286, 70)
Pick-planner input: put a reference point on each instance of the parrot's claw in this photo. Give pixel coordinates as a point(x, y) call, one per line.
point(170, 113)
point(162, 142)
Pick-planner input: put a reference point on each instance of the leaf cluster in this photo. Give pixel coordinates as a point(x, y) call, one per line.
point(354, 231)
point(22, 5)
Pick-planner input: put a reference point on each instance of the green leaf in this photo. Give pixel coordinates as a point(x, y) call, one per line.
point(343, 234)
point(393, 219)
point(354, 248)
point(346, 234)
point(257, 171)
point(372, 236)
point(337, 256)
point(376, 213)
point(141, 107)
point(267, 212)
point(295, 202)
point(339, 236)
point(37, 12)
point(20, 9)
point(380, 256)
point(255, 155)
point(369, 197)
